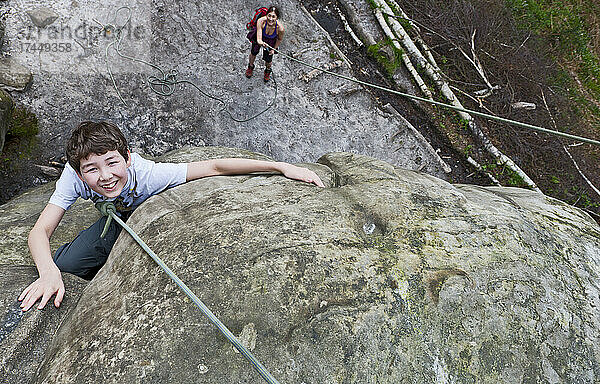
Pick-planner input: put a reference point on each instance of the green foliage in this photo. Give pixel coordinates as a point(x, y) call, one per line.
point(488, 167)
point(24, 124)
point(582, 199)
point(393, 7)
point(372, 4)
point(564, 24)
point(468, 150)
point(390, 64)
point(514, 180)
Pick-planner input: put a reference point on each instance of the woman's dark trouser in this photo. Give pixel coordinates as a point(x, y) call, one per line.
point(85, 255)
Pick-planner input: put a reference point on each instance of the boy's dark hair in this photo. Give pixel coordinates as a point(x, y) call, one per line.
point(275, 9)
point(94, 138)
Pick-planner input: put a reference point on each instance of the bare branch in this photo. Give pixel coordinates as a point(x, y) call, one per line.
point(567, 150)
point(473, 60)
point(444, 88)
point(348, 28)
point(478, 100)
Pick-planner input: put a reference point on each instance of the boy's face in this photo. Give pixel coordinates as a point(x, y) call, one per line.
point(105, 174)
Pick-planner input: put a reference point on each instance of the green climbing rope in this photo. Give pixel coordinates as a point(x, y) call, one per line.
point(107, 208)
point(476, 113)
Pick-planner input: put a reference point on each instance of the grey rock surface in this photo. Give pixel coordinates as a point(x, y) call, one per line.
point(206, 44)
point(42, 16)
point(13, 75)
point(24, 337)
point(2, 28)
point(18, 216)
point(6, 106)
point(387, 275)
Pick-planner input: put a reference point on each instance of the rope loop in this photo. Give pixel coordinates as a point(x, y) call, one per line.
point(106, 208)
point(165, 85)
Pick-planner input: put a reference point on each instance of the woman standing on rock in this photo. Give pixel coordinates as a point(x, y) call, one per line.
point(268, 33)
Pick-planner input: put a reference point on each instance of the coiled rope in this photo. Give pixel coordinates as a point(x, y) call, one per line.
point(107, 208)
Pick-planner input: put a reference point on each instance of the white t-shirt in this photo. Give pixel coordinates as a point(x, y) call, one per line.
point(144, 179)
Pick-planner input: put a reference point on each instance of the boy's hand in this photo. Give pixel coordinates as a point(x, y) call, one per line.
point(303, 174)
point(45, 286)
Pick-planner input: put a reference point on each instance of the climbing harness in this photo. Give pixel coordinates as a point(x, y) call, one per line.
point(108, 209)
point(165, 84)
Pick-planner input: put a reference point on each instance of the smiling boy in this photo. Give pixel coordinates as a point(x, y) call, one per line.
point(100, 167)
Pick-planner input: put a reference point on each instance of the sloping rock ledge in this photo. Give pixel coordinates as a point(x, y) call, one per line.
point(386, 276)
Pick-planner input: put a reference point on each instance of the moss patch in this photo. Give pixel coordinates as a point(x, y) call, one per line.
point(388, 56)
point(23, 124)
point(21, 141)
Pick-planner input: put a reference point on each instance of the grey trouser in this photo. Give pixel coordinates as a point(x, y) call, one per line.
point(85, 255)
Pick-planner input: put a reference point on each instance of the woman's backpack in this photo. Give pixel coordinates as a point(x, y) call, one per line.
point(258, 13)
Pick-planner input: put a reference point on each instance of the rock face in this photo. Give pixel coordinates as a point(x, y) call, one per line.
point(205, 43)
point(42, 16)
point(25, 336)
point(385, 276)
point(2, 28)
point(13, 75)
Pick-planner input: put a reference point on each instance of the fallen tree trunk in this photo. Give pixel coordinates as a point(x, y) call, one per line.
point(353, 19)
point(444, 88)
point(405, 59)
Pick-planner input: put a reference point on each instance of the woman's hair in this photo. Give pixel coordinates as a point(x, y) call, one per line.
point(94, 138)
point(275, 9)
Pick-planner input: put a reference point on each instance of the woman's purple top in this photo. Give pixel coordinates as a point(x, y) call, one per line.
point(264, 32)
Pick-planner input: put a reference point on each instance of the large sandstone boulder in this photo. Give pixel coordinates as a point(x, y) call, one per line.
point(386, 276)
point(24, 336)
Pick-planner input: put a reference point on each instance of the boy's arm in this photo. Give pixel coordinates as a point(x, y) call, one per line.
point(218, 167)
point(50, 280)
